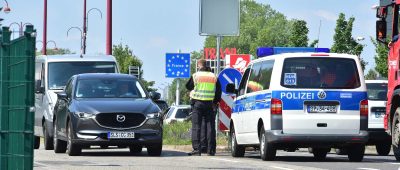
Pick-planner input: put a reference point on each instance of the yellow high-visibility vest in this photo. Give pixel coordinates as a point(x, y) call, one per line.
point(204, 86)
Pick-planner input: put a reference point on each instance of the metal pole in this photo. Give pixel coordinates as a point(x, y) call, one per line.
point(44, 49)
point(84, 28)
point(218, 57)
point(109, 28)
point(177, 87)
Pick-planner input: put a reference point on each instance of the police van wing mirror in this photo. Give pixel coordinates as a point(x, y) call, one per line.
point(381, 31)
point(230, 88)
point(38, 86)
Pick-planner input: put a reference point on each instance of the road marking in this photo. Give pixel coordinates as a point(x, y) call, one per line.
point(394, 163)
point(368, 169)
point(227, 160)
point(277, 167)
point(43, 166)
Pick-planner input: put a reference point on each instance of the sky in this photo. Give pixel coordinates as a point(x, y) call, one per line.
point(152, 28)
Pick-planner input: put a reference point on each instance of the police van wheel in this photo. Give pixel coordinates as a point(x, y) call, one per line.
point(383, 149)
point(37, 142)
point(47, 140)
point(320, 153)
point(267, 150)
point(396, 135)
point(356, 152)
point(236, 150)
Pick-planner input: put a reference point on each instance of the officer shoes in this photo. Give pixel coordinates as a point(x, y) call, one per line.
point(195, 153)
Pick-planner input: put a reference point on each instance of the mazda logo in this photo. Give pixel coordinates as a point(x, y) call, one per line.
point(321, 95)
point(120, 118)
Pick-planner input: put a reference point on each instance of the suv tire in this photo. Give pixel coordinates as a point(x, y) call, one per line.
point(154, 149)
point(383, 148)
point(72, 149)
point(36, 142)
point(135, 149)
point(356, 152)
point(47, 140)
point(59, 145)
point(236, 150)
point(320, 153)
point(267, 150)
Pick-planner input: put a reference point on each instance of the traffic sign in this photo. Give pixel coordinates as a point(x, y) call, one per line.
point(238, 61)
point(177, 65)
point(229, 75)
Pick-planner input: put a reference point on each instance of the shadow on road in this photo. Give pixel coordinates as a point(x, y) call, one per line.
point(126, 153)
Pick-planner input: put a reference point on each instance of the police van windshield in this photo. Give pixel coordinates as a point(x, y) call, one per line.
point(60, 72)
point(320, 72)
point(377, 91)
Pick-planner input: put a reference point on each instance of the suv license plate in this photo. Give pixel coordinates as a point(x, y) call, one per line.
point(121, 135)
point(321, 109)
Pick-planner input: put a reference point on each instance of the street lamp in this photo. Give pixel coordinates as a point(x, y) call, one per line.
point(21, 26)
point(50, 41)
point(79, 29)
point(6, 9)
point(86, 27)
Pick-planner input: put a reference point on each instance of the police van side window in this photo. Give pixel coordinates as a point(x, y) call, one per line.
point(254, 81)
point(266, 72)
point(242, 86)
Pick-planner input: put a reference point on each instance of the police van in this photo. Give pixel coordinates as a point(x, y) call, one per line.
point(285, 101)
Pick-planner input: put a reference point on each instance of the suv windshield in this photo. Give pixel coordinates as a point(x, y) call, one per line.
point(320, 72)
point(377, 91)
point(109, 88)
point(60, 72)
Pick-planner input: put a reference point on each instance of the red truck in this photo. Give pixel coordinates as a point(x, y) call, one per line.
point(387, 32)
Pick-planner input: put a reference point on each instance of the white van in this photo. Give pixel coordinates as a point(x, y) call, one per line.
point(51, 75)
point(301, 100)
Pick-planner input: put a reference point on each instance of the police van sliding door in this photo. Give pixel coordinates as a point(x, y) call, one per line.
point(322, 96)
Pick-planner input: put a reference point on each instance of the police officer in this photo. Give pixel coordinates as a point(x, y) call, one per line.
point(205, 95)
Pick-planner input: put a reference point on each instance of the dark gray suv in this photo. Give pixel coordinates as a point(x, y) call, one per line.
point(106, 109)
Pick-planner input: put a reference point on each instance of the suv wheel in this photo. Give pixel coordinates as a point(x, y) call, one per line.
point(36, 142)
point(47, 140)
point(236, 150)
point(267, 150)
point(320, 153)
point(59, 145)
point(155, 149)
point(356, 152)
point(383, 149)
point(135, 149)
point(72, 149)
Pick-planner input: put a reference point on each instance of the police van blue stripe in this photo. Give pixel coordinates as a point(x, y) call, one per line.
point(294, 100)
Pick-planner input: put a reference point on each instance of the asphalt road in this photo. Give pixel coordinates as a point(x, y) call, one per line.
point(114, 158)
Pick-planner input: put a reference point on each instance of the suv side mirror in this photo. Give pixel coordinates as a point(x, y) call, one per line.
point(38, 86)
point(154, 95)
point(62, 95)
point(381, 31)
point(230, 88)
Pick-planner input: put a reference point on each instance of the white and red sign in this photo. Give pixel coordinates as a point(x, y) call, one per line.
point(238, 61)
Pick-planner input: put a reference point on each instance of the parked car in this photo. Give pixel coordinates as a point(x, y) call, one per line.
point(178, 113)
point(51, 75)
point(106, 109)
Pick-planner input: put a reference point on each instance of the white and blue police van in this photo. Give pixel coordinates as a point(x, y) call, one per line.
point(288, 100)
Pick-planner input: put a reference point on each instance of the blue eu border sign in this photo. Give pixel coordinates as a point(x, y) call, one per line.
point(177, 65)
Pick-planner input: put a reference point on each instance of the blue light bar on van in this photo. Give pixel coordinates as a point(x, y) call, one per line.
point(267, 51)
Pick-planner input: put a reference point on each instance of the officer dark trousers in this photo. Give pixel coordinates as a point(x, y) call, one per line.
point(211, 133)
point(201, 109)
point(203, 136)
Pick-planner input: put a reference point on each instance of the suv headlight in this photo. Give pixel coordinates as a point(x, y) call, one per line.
point(84, 115)
point(153, 115)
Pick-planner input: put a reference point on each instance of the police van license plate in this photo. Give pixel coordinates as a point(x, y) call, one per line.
point(121, 135)
point(321, 109)
point(379, 114)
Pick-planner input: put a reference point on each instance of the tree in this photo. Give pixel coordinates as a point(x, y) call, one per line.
point(381, 58)
point(371, 75)
point(298, 34)
point(58, 51)
point(343, 40)
point(125, 58)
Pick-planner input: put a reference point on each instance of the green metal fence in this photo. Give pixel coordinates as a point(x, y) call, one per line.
point(17, 61)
